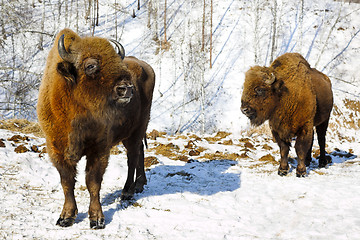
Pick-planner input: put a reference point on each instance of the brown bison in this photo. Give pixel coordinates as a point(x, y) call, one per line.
point(294, 98)
point(92, 97)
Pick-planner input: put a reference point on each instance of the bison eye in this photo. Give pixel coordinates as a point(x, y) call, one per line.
point(91, 67)
point(260, 91)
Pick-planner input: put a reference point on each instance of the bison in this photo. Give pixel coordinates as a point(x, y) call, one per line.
point(91, 98)
point(295, 98)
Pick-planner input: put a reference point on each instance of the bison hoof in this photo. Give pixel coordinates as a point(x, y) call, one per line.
point(97, 224)
point(282, 172)
point(67, 222)
point(299, 175)
point(322, 164)
point(126, 196)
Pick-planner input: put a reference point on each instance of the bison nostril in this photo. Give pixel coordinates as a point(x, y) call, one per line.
point(129, 91)
point(124, 91)
point(120, 90)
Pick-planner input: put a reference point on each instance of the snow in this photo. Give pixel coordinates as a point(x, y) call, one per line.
point(198, 199)
point(207, 197)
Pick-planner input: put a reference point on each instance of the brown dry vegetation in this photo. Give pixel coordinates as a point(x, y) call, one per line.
point(351, 120)
point(192, 147)
point(218, 137)
point(21, 125)
point(221, 156)
point(149, 161)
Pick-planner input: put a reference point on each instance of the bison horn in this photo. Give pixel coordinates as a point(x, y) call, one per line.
point(271, 80)
point(66, 56)
point(120, 48)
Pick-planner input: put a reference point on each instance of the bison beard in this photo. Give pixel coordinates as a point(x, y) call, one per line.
point(294, 98)
point(92, 97)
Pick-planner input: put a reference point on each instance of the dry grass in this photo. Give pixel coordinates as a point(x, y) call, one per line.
point(167, 150)
point(155, 134)
point(352, 105)
point(268, 159)
point(149, 161)
point(222, 156)
point(218, 137)
point(21, 125)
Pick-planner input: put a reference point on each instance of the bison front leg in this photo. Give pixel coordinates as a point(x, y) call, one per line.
point(69, 212)
point(95, 169)
point(284, 152)
point(133, 155)
point(140, 172)
point(302, 147)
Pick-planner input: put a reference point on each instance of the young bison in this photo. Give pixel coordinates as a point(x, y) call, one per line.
point(92, 97)
point(294, 98)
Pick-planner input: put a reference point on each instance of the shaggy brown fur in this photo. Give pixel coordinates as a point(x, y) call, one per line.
point(88, 103)
point(294, 98)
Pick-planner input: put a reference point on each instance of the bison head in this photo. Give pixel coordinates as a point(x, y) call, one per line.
point(94, 69)
point(261, 94)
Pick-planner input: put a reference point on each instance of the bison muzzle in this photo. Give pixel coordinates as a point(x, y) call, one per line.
point(91, 98)
point(295, 98)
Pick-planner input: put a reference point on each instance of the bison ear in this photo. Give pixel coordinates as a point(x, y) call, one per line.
point(68, 71)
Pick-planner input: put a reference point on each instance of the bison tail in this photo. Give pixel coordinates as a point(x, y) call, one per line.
point(145, 141)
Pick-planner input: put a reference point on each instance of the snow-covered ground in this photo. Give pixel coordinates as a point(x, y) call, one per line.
point(231, 190)
point(201, 198)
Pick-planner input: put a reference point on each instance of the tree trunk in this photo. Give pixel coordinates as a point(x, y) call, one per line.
point(203, 30)
point(165, 38)
point(211, 25)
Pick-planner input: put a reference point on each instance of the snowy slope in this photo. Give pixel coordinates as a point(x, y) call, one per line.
point(231, 190)
point(202, 198)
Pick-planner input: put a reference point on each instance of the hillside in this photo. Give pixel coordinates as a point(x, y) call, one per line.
point(211, 175)
point(189, 95)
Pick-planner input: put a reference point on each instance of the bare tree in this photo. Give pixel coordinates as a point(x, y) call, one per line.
point(165, 10)
point(211, 34)
point(203, 29)
point(274, 11)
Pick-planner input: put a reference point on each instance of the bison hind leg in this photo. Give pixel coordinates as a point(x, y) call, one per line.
point(308, 155)
point(321, 132)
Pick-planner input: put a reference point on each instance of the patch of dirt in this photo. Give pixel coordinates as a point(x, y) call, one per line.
point(167, 150)
point(115, 150)
point(352, 105)
point(21, 149)
point(22, 125)
point(155, 134)
point(222, 134)
point(268, 159)
point(149, 161)
point(183, 158)
point(18, 138)
point(194, 152)
point(218, 137)
point(221, 156)
point(267, 147)
point(2, 144)
point(193, 136)
point(227, 142)
point(35, 148)
point(246, 142)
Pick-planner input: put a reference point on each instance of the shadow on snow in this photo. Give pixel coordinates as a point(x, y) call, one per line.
point(202, 178)
point(337, 156)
